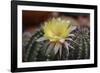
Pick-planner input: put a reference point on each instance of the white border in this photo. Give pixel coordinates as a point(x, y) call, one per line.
point(53, 63)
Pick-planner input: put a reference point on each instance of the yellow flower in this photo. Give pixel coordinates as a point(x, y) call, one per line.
point(57, 29)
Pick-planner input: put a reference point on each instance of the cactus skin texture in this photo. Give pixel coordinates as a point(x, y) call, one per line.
point(44, 50)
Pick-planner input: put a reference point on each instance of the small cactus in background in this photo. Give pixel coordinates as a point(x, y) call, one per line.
point(58, 39)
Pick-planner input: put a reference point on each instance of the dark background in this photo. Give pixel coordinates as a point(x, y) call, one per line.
point(35, 18)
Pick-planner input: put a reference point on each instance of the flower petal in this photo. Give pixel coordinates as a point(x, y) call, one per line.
point(67, 48)
point(56, 48)
point(50, 47)
point(41, 39)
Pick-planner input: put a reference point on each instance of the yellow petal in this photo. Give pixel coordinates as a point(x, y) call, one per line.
point(57, 29)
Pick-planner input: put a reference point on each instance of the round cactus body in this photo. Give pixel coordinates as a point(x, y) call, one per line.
point(58, 39)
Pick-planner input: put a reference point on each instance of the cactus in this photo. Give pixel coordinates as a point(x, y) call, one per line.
point(74, 44)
